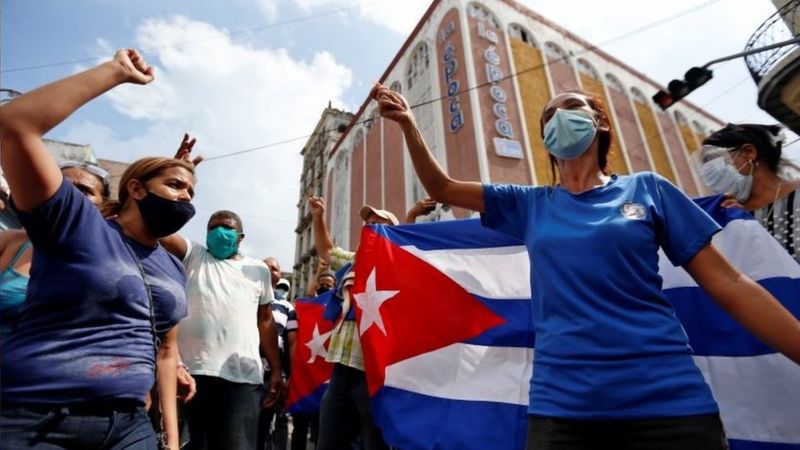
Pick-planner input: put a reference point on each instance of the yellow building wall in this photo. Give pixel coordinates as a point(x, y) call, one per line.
point(535, 92)
point(689, 138)
point(616, 160)
point(658, 152)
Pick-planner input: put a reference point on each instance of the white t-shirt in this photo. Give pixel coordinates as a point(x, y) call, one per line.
point(220, 335)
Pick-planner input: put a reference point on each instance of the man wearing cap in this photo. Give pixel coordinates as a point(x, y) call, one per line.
point(347, 391)
point(286, 324)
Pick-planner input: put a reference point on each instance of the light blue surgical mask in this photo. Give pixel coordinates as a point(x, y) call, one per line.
point(569, 133)
point(222, 242)
point(722, 177)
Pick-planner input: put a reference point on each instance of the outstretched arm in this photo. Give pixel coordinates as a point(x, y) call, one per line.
point(323, 241)
point(31, 171)
point(749, 303)
point(442, 188)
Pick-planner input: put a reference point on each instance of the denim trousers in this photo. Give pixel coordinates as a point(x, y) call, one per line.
point(701, 432)
point(223, 415)
point(44, 427)
point(345, 412)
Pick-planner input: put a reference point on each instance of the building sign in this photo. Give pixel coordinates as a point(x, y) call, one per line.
point(457, 114)
point(499, 112)
point(450, 61)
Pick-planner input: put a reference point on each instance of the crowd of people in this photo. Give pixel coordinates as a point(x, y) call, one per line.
point(116, 331)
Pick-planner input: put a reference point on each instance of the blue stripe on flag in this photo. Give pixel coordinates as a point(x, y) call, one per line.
point(518, 329)
point(447, 423)
point(455, 234)
point(713, 332)
point(721, 215)
point(737, 444)
point(310, 403)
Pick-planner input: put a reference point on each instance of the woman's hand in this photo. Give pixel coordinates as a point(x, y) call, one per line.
point(185, 151)
point(317, 206)
point(391, 104)
point(730, 201)
point(133, 67)
point(187, 387)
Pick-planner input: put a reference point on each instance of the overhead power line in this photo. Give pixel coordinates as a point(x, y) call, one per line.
point(205, 39)
point(589, 49)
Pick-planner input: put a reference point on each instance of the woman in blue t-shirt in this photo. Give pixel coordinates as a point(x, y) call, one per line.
point(613, 366)
point(104, 298)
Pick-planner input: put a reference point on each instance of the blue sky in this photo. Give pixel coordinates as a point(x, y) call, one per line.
point(270, 83)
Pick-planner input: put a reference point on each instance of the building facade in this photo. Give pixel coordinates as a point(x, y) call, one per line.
point(481, 73)
point(328, 131)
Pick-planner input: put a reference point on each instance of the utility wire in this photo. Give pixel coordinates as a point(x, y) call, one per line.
point(564, 58)
point(221, 35)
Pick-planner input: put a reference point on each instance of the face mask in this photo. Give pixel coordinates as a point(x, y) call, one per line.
point(569, 133)
point(163, 216)
point(222, 242)
point(281, 293)
point(322, 289)
point(721, 177)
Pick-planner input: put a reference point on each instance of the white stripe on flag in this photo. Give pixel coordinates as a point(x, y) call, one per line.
point(758, 396)
point(467, 372)
point(483, 271)
point(747, 246)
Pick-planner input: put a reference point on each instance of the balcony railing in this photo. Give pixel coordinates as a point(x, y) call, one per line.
point(777, 28)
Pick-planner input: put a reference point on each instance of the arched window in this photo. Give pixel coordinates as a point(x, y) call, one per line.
point(553, 51)
point(395, 86)
point(638, 95)
point(614, 83)
point(484, 15)
point(699, 128)
point(585, 67)
point(681, 119)
point(418, 64)
point(519, 33)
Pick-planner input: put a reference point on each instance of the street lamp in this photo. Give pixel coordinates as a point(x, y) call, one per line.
point(698, 76)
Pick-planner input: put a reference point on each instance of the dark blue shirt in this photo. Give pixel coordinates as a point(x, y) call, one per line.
point(84, 334)
point(608, 344)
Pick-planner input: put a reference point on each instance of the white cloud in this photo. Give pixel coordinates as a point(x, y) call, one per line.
point(232, 97)
point(398, 16)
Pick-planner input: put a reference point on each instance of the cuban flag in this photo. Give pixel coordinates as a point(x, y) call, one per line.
point(310, 372)
point(757, 389)
point(444, 315)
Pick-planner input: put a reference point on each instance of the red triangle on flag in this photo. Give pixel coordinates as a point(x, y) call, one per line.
point(309, 368)
point(406, 307)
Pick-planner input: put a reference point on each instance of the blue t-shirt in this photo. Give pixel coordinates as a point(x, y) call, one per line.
point(608, 344)
point(84, 334)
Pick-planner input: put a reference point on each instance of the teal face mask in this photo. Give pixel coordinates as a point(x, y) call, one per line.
point(222, 242)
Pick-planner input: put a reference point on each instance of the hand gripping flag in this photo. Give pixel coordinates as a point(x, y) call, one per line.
point(310, 371)
point(444, 315)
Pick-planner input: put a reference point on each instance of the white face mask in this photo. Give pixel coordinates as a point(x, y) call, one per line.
point(722, 177)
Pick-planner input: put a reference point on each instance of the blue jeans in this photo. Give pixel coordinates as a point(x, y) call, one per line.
point(223, 415)
point(702, 432)
point(345, 410)
point(46, 427)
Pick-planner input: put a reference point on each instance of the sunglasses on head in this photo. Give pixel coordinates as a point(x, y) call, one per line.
point(93, 169)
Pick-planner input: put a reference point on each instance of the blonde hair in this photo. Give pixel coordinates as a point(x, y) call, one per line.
point(143, 170)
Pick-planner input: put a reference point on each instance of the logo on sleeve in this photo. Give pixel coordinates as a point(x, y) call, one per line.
point(633, 211)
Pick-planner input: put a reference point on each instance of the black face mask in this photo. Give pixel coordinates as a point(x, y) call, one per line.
point(163, 216)
point(322, 289)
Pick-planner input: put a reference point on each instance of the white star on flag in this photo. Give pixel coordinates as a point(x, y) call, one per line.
point(370, 302)
point(317, 344)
